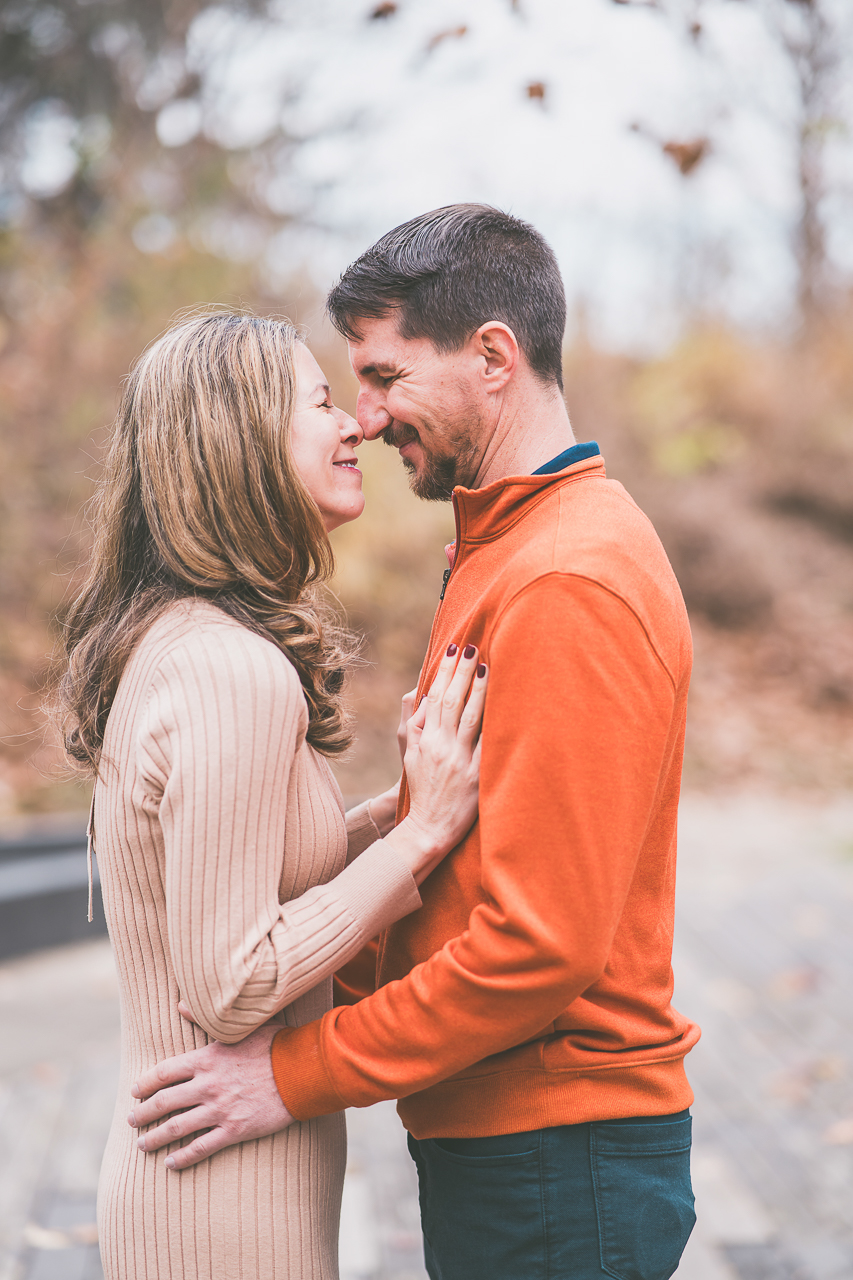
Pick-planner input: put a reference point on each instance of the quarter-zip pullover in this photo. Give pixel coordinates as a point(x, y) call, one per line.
point(533, 988)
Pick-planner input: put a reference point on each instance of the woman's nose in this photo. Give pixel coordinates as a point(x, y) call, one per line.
point(351, 432)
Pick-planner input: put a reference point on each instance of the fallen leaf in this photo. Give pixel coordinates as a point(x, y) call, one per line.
point(829, 1068)
point(797, 1085)
point(47, 1073)
point(811, 920)
point(731, 996)
point(794, 1087)
point(789, 983)
point(85, 1233)
point(385, 10)
point(839, 1134)
point(48, 1238)
point(44, 1238)
point(452, 33)
point(687, 155)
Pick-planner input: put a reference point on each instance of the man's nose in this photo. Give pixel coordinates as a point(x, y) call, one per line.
point(373, 417)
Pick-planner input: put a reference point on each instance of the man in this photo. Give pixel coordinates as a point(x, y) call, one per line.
point(522, 1017)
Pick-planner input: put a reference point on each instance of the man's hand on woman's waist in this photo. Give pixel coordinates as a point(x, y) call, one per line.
point(227, 1090)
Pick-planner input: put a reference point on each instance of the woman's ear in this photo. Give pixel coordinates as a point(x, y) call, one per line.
point(497, 348)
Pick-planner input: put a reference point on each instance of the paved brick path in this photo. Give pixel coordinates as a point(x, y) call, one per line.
point(764, 960)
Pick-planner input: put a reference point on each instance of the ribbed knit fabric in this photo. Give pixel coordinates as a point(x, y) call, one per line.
point(231, 880)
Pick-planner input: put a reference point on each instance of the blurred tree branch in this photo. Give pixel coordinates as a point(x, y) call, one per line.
point(810, 36)
point(93, 72)
point(811, 41)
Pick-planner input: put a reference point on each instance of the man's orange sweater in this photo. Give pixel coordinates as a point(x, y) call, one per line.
point(533, 987)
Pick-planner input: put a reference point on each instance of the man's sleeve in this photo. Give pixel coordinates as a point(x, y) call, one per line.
point(577, 728)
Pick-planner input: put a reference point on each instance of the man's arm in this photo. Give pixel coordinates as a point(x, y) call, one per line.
point(577, 731)
point(224, 1093)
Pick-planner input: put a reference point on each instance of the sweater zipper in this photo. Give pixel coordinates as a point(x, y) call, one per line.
point(444, 581)
point(445, 577)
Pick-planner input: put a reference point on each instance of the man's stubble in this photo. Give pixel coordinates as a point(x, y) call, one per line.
point(441, 472)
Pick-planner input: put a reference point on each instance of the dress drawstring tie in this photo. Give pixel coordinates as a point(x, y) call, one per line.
point(90, 849)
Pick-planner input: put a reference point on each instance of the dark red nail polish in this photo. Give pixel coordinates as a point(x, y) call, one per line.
point(468, 651)
point(451, 649)
point(481, 670)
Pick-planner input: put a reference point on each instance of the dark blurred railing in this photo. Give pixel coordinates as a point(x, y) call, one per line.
point(44, 890)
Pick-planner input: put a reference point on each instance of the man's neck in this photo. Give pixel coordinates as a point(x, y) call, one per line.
point(529, 432)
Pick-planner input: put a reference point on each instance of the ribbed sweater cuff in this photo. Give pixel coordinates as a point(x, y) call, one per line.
point(377, 889)
point(300, 1073)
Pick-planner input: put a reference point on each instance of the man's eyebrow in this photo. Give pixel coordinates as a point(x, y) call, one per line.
point(382, 368)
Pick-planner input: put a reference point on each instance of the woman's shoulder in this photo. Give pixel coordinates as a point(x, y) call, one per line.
point(207, 687)
point(195, 624)
point(198, 647)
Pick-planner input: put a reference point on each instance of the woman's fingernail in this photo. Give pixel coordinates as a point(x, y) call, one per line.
point(140, 1142)
point(134, 1090)
point(468, 651)
point(451, 649)
point(481, 670)
point(169, 1162)
point(131, 1121)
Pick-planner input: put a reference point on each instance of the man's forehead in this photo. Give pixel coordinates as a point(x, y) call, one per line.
point(372, 359)
point(379, 347)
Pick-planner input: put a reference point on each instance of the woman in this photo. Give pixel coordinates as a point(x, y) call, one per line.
point(203, 689)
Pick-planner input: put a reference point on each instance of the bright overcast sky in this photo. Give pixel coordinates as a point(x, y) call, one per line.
point(389, 122)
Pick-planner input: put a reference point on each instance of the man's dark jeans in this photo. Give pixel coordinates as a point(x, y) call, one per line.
point(611, 1199)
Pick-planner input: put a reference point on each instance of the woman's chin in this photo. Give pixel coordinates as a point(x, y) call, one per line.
point(345, 514)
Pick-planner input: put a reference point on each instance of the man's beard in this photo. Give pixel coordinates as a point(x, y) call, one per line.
point(440, 472)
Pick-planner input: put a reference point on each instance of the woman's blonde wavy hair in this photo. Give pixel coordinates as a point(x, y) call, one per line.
point(200, 499)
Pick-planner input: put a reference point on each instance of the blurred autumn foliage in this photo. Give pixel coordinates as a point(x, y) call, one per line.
point(73, 323)
point(741, 452)
point(739, 448)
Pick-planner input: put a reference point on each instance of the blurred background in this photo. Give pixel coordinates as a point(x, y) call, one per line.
point(691, 162)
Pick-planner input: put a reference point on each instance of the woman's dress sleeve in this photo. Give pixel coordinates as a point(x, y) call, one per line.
point(224, 719)
point(362, 831)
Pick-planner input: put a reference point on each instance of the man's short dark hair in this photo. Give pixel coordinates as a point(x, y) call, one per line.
point(447, 272)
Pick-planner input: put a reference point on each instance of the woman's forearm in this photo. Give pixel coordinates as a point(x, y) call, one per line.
point(420, 846)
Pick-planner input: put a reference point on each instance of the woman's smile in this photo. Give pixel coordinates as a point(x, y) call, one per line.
point(323, 440)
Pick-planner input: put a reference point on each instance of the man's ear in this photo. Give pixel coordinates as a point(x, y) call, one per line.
point(497, 346)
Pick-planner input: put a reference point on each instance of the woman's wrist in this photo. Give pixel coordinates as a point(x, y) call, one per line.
point(383, 809)
point(417, 846)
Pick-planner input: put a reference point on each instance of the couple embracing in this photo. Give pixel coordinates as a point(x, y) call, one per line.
point(498, 924)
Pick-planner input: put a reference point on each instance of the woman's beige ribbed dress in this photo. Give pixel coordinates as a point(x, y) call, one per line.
point(221, 844)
